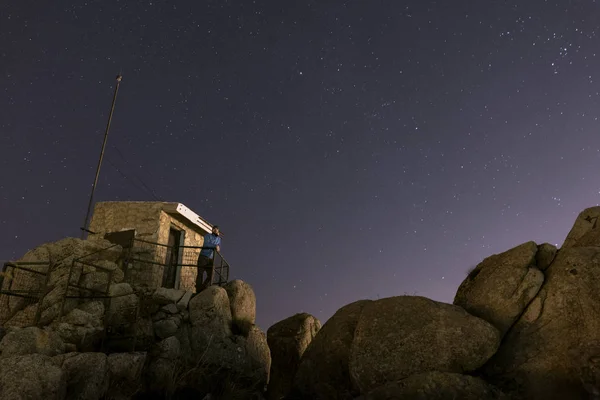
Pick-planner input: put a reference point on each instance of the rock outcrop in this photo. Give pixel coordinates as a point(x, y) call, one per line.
point(501, 286)
point(433, 336)
point(31, 340)
point(129, 340)
point(32, 377)
point(87, 375)
point(288, 339)
point(558, 336)
point(545, 256)
point(525, 325)
point(125, 373)
point(324, 372)
point(243, 303)
point(60, 256)
point(212, 341)
point(585, 231)
point(541, 300)
point(437, 386)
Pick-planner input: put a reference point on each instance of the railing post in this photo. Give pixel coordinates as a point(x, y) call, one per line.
point(38, 312)
point(2, 272)
point(62, 306)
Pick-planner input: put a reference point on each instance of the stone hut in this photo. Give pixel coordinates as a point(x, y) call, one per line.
point(163, 240)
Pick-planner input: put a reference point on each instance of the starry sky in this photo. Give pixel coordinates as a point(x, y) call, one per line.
point(348, 150)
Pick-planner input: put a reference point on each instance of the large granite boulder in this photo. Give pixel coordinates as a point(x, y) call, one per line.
point(61, 256)
point(585, 231)
point(31, 340)
point(168, 325)
point(558, 336)
point(240, 360)
point(81, 328)
point(210, 320)
point(62, 253)
point(88, 250)
point(183, 303)
point(501, 286)
point(164, 296)
point(125, 371)
point(214, 345)
point(87, 375)
point(437, 386)
point(52, 304)
point(99, 279)
point(402, 336)
point(165, 366)
point(124, 305)
point(323, 371)
point(242, 301)
point(545, 256)
point(258, 357)
point(32, 377)
point(95, 308)
point(288, 339)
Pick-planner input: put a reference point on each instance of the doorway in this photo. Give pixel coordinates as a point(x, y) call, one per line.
point(172, 258)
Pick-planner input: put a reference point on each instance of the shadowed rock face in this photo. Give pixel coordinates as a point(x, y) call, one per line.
point(437, 386)
point(212, 342)
point(323, 371)
point(531, 331)
point(545, 256)
point(242, 301)
point(501, 286)
point(32, 376)
point(288, 339)
point(402, 336)
point(186, 341)
point(61, 255)
point(87, 375)
point(544, 354)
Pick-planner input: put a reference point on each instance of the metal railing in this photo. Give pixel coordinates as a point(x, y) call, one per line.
point(90, 278)
point(23, 286)
point(157, 264)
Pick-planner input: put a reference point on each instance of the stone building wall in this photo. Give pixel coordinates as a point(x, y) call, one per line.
point(114, 216)
point(151, 224)
point(193, 237)
point(143, 217)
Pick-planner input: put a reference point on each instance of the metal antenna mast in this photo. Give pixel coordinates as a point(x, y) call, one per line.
point(112, 109)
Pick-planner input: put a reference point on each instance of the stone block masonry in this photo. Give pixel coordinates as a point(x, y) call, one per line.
point(151, 223)
point(115, 216)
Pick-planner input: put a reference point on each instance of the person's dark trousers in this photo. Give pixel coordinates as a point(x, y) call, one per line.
point(205, 264)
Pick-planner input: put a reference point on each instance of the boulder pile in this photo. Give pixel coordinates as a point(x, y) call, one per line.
point(135, 343)
point(524, 324)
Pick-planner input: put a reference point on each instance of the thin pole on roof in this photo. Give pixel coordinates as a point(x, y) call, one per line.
point(84, 229)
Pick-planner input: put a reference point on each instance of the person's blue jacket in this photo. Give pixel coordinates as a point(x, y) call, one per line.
point(211, 241)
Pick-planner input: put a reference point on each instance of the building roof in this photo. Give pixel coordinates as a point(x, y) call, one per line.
point(182, 210)
point(172, 208)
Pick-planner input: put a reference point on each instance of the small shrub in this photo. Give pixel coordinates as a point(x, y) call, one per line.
point(195, 380)
point(473, 272)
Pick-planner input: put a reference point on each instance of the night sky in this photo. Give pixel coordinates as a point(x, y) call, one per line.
point(348, 150)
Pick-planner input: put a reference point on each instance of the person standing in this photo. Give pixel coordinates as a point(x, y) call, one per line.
point(212, 242)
